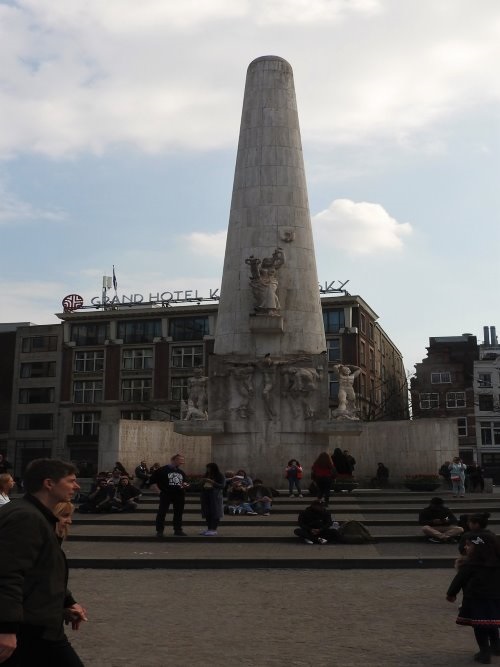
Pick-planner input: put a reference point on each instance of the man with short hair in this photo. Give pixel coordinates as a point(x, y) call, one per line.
point(34, 599)
point(439, 523)
point(171, 481)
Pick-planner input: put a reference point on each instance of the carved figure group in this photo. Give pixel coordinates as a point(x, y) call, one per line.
point(264, 282)
point(197, 396)
point(347, 397)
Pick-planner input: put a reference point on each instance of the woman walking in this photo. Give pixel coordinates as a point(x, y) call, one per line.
point(478, 577)
point(322, 473)
point(212, 507)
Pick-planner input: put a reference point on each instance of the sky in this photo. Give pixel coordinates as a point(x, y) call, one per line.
point(119, 125)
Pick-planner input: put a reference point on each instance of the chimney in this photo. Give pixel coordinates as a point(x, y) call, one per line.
point(493, 335)
point(486, 336)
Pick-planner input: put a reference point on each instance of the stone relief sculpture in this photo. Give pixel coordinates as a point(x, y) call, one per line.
point(302, 383)
point(347, 396)
point(264, 282)
point(197, 396)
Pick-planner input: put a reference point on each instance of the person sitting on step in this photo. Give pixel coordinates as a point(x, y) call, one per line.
point(237, 499)
point(439, 524)
point(260, 497)
point(316, 525)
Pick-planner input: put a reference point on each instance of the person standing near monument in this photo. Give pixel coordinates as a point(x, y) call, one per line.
point(171, 481)
point(34, 599)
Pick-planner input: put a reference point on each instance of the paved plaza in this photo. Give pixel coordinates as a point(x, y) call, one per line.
point(272, 618)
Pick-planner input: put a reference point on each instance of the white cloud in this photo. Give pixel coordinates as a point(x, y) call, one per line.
point(13, 209)
point(86, 75)
point(208, 245)
point(360, 228)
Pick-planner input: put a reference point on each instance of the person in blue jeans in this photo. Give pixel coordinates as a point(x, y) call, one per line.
point(293, 473)
point(457, 473)
point(261, 497)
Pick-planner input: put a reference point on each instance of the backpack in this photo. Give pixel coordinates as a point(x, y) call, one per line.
point(353, 532)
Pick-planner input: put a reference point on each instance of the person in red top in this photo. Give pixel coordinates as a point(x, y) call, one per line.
point(293, 473)
point(322, 473)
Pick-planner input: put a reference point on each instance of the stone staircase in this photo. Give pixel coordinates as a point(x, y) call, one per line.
point(128, 541)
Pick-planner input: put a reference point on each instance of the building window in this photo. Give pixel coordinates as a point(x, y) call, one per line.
point(333, 385)
point(490, 459)
point(139, 331)
point(362, 383)
point(490, 433)
point(188, 328)
point(484, 380)
point(37, 422)
point(39, 344)
point(455, 399)
point(429, 401)
point(36, 395)
point(370, 331)
point(89, 362)
point(89, 334)
point(334, 354)
point(362, 323)
point(87, 391)
point(187, 357)
point(462, 427)
point(443, 377)
point(371, 356)
point(179, 389)
point(38, 369)
point(86, 423)
point(485, 402)
point(138, 359)
point(333, 320)
point(362, 354)
point(136, 390)
point(138, 415)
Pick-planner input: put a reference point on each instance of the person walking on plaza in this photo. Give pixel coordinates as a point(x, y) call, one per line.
point(322, 474)
point(439, 523)
point(478, 577)
point(457, 476)
point(212, 502)
point(293, 473)
point(34, 599)
point(171, 481)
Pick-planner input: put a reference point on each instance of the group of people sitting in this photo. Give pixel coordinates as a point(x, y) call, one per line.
point(247, 496)
point(111, 492)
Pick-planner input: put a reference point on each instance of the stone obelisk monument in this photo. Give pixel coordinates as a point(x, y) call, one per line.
point(267, 383)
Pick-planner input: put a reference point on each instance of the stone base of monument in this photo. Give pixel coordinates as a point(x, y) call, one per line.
point(199, 427)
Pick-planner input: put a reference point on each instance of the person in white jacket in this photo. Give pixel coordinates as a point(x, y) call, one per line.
point(457, 471)
point(6, 484)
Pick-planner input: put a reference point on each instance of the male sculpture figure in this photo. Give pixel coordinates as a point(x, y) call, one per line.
point(347, 397)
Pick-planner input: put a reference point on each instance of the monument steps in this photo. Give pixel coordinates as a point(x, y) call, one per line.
point(128, 541)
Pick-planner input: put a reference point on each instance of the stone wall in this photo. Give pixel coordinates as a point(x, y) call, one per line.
point(405, 447)
point(131, 441)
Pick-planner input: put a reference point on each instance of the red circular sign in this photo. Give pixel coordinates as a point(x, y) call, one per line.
point(72, 302)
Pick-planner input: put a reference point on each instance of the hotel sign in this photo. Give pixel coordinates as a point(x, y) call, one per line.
point(74, 302)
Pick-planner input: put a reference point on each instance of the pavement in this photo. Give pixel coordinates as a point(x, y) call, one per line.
point(273, 618)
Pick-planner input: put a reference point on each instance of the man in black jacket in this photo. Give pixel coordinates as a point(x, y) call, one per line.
point(171, 481)
point(316, 525)
point(34, 599)
point(439, 523)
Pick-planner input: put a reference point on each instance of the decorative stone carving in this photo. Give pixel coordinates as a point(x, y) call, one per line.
point(264, 282)
point(287, 235)
point(301, 385)
point(197, 396)
point(347, 396)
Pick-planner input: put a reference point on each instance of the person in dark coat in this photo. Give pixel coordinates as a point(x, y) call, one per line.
point(439, 523)
point(172, 482)
point(34, 598)
point(316, 525)
point(212, 502)
point(478, 577)
point(341, 462)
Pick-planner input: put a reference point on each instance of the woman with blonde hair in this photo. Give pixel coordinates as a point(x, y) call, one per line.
point(64, 512)
point(6, 484)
